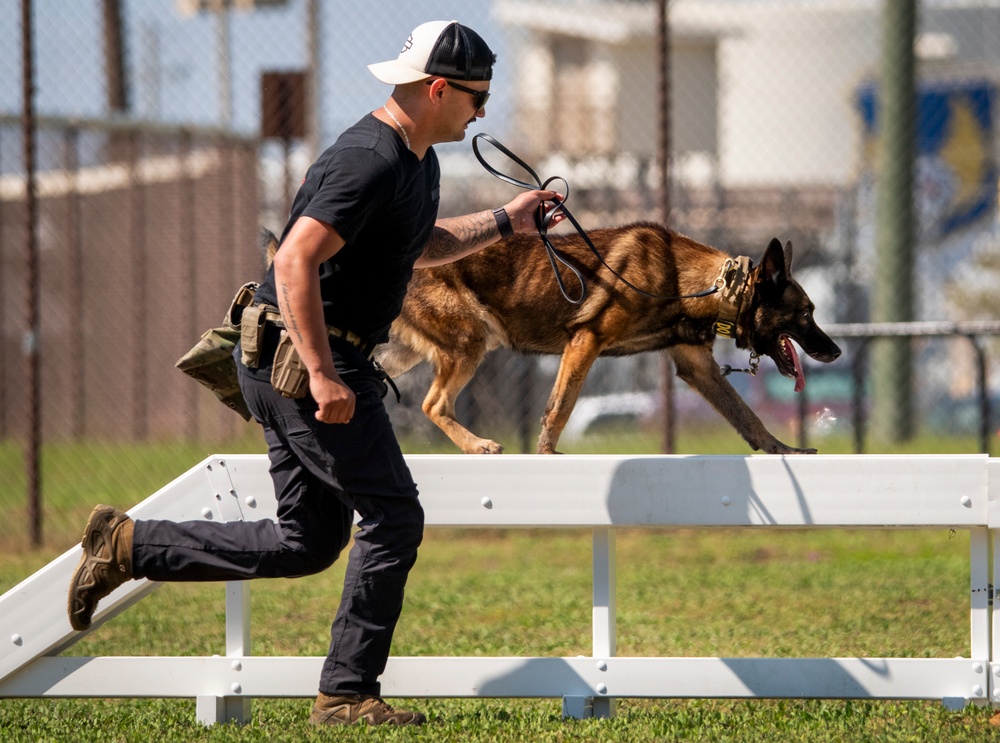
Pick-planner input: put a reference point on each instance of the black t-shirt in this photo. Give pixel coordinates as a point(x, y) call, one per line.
point(383, 201)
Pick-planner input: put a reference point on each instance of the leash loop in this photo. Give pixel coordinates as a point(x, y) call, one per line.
point(543, 220)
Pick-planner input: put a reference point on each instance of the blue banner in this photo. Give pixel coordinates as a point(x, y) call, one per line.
point(956, 176)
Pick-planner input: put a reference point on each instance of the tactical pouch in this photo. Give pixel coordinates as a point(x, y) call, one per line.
point(211, 361)
point(242, 300)
point(289, 376)
point(251, 334)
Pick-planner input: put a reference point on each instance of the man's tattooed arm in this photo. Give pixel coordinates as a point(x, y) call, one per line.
point(287, 315)
point(457, 237)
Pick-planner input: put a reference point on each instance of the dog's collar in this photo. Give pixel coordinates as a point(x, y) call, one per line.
point(731, 282)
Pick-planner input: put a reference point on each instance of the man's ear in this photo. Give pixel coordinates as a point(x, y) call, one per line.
point(436, 88)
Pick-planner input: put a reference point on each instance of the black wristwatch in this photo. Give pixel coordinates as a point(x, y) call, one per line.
point(503, 222)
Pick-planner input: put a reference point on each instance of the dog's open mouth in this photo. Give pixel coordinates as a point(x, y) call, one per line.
point(791, 366)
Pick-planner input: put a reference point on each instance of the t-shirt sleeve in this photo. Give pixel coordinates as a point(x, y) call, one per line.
point(356, 186)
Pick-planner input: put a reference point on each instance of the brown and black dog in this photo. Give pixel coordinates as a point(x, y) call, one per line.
point(507, 296)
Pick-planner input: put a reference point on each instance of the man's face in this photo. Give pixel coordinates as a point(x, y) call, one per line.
point(462, 99)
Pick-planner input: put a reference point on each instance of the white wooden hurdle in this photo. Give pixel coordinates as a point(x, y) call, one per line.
point(602, 493)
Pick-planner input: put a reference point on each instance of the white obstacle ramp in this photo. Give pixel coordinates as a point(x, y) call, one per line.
point(602, 493)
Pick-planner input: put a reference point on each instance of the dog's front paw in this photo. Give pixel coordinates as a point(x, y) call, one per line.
point(777, 447)
point(792, 450)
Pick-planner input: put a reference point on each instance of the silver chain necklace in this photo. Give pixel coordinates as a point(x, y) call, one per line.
point(402, 131)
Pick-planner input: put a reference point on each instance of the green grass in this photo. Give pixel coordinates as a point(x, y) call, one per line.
point(515, 720)
point(76, 475)
point(729, 593)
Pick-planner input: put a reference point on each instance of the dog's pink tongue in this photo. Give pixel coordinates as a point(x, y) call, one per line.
point(800, 377)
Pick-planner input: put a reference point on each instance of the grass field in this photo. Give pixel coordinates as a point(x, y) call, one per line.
point(730, 593)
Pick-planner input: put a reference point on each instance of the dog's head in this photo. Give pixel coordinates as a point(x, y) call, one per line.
point(783, 313)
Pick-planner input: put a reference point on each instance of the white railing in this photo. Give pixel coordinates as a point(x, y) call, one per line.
point(602, 493)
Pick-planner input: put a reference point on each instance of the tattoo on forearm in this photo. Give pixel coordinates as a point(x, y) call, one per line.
point(461, 235)
point(291, 324)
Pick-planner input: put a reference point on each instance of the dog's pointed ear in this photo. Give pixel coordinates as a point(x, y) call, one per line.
point(268, 245)
point(772, 265)
point(788, 257)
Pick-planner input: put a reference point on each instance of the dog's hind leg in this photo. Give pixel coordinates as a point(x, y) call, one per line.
point(452, 373)
point(578, 356)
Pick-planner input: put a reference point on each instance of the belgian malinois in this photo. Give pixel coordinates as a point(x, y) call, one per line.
point(506, 296)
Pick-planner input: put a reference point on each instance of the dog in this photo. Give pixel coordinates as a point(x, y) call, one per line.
point(506, 295)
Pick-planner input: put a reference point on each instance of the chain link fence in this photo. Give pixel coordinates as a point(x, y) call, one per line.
point(159, 150)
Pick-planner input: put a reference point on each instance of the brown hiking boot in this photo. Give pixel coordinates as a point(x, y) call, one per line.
point(347, 709)
point(106, 563)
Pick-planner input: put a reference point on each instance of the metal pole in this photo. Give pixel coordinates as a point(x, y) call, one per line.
point(663, 145)
point(287, 181)
point(858, 395)
point(803, 414)
point(188, 226)
point(224, 63)
point(32, 335)
point(139, 291)
point(892, 299)
point(314, 21)
point(982, 385)
point(75, 296)
point(114, 57)
point(6, 370)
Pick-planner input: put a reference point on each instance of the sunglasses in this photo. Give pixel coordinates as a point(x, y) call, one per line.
point(479, 97)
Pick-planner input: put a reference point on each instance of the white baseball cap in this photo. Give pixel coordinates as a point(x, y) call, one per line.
point(438, 49)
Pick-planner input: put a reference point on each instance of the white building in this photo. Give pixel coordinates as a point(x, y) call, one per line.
point(764, 91)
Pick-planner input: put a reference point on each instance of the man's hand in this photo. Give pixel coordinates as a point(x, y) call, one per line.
point(521, 210)
point(334, 398)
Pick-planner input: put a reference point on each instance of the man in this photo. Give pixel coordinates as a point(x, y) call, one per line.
point(365, 216)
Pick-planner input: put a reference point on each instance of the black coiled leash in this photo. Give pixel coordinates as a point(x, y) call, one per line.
point(543, 220)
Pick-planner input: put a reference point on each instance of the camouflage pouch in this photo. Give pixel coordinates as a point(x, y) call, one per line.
point(211, 361)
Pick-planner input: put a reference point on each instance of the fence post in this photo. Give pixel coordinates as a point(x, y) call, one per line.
point(605, 611)
point(209, 709)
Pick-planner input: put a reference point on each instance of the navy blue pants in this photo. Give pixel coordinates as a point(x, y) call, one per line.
point(322, 474)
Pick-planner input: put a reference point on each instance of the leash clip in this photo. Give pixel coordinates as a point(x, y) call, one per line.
point(720, 280)
point(726, 369)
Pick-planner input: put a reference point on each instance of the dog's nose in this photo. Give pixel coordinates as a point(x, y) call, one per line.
point(826, 352)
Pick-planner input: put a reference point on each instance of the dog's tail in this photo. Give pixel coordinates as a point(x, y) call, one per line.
point(268, 245)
